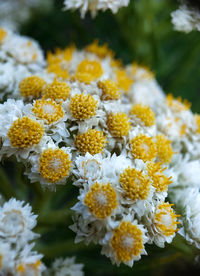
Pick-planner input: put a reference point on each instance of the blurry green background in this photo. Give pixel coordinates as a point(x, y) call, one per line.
point(141, 32)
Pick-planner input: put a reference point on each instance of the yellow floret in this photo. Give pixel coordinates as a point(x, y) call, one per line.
point(166, 220)
point(123, 80)
point(177, 104)
point(60, 55)
point(100, 51)
point(48, 110)
point(83, 106)
point(92, 141)
point(142, 147)
point(160, 181)
point(101, 200)
point(118, 124)
point(58, 70)
point(88, 70)
point(54, 164)
point(197, 120)
point(110, 90)
point(135, 184)
point(25, 132)
point(164, 149)
point(56, 90)
point(3, 34)
point(31, 86)
point(127, 241)
point(144, 113)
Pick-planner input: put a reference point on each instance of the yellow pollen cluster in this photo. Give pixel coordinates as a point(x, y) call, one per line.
point(89, 70)
point(110, 90)
point(166, 220)
point(3, 34)
point(164, 149)
point(101, 200)
point(144, 113)
point(177, 104)
point(100, 51)
point(127, 241)
point(58, 70)
point(83, 106)
point(48, 110)
point(118, 124)
point(197, 119)
point(60, 55)
point(142, 147)
point(123, 80)
point(92, 141)
point(56, 90)
point(25, 132)
point(31, 86)
point(146, 75)
point(135, 184)
point(160, 181)
point(54, 165)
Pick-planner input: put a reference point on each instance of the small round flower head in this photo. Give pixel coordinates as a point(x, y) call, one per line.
point(176, 104)
point(92, 141)
point(101, 51)
point(25, 132)
point(83, 106)
point(143, 147)
point(135, 184)
point(197, 121)
point(164, 149)
point(144, 113)
point(110, 90)
point(94, 6)
point(123, 80)
point(127, 242)
point(58, 71)
point(118, 124)
point(56, 90)
point(54, 164)
point(101, 200)
point(7, 257)
point(160, 180)
point(48, 110)
point(88, 70)
point(31, 86)
point(17, 221)
point(3, 34)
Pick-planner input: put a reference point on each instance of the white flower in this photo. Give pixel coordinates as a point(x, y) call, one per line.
point(7, 257)
point(67, 266)
point(186, 19)
point(95, 5)
point(17, 222)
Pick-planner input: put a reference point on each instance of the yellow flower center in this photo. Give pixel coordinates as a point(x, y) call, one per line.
point(197, 119)
point(142, 147)
point(83, 106)
point(101, 200)
point(48, 110)
point(177, 104)
point(135, 184)
point(123, 80)
point(127, 241)
point(58, 70)
point(144, 113)
point(164, 149)
point(31, 86)
point(110, 90)
point(25, 132)
point(100, 51)
point(118, 124)
point(56, 90)
point(60, 55)
point(160, 181)
point(166, 220)
point(54, 164)
point(88, 70)
point(92, 141)
point(22, 268)
point(3, 34)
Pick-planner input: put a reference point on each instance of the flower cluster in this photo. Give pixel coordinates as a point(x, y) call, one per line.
point(16, 255)
point(94, 5)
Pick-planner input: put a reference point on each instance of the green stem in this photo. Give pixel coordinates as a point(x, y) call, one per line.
point(5, 185)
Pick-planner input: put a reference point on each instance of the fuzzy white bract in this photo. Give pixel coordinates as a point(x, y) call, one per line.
point(94, 5)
